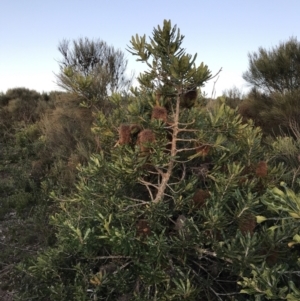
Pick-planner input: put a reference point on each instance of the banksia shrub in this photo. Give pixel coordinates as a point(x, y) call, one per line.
point(142, 219)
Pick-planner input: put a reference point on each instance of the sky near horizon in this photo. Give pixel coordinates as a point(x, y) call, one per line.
point(221, 32)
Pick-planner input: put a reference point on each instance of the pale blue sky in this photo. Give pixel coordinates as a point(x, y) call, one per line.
point(222, 32)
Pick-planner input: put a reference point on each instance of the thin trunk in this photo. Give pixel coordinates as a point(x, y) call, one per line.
point(166, 176)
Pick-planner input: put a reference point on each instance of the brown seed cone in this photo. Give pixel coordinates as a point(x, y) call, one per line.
point(189, 98)
point(261, 170)
point(247, 223)
point(143, 228)
point(200, 198)
point(159, 113)
point(144, 138)
point(124, 134)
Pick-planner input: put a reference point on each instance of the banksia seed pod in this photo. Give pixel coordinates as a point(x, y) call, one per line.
point(189, 98)
point(124, 134)
point(261, 169)
point(144, 138)
point(200, 198)
point(143, 228)
point(159, 113)
point(247, 223)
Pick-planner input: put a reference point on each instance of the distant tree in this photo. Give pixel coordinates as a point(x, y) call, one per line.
point(92, 69)
point(276, 113)
point(232, 97)
point(233, 93)
point(277, 69)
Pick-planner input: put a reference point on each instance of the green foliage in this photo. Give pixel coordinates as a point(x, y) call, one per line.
point(171, 68)
point(286, 149)
point(43, 139)
point(172, 263)
point(275, 70)
point(25, 182)
point(24, 206)
point(183, 205)
point(19, 108)
point(23, 104)
point(279, 282)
